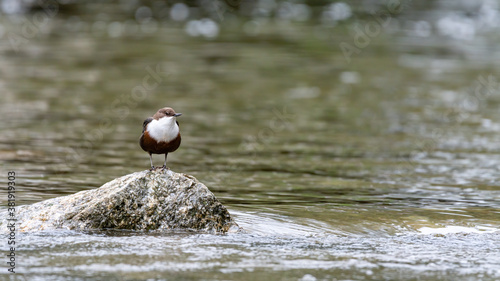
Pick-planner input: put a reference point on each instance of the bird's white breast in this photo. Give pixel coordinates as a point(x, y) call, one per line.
point(164, 129)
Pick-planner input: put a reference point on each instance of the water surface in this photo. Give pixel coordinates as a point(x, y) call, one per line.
point(381, 167)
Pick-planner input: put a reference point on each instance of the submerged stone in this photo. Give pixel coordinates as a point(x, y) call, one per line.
point(147, 200)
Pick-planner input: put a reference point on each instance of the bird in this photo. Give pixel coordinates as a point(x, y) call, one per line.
point(161, 134)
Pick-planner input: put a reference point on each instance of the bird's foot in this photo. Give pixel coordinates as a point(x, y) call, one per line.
point(152, 168)
point(164, 167)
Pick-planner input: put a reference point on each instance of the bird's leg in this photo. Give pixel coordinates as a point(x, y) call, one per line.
point(165, 163)
point(151, 159)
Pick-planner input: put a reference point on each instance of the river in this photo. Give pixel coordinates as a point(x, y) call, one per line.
point(342, 155)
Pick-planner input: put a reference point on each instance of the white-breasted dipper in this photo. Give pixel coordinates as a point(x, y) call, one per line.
point(161, 134)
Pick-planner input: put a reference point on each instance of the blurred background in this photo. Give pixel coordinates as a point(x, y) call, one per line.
point(364, 118)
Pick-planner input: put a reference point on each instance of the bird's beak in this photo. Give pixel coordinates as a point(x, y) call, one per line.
point(177, 114)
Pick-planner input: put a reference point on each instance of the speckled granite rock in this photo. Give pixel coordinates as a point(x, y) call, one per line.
point(147, 200)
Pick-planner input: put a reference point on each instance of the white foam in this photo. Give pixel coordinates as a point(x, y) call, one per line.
point(452, 229)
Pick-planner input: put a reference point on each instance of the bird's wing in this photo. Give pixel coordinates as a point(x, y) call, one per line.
point(146, 122)
point(177, 123)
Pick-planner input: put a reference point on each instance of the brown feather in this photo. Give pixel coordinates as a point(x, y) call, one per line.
point(150, 145)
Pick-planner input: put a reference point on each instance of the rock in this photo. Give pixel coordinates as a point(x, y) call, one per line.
point(148, 200)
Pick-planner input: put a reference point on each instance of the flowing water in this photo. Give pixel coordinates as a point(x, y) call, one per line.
point(380, 165)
